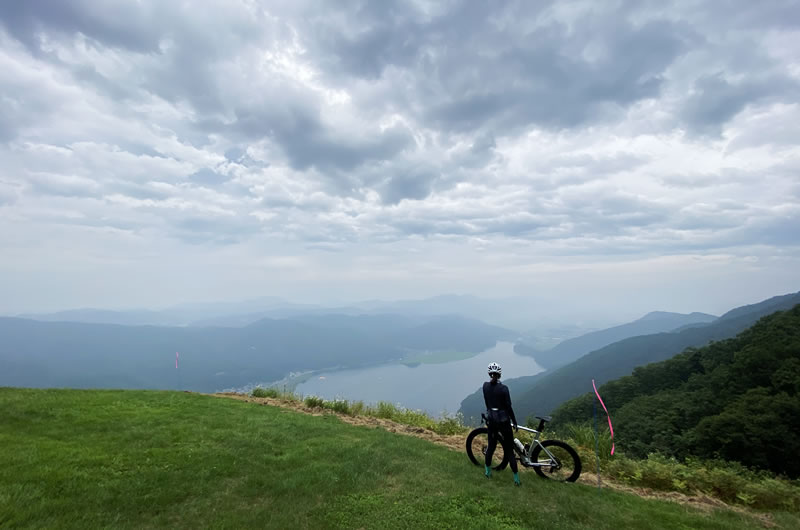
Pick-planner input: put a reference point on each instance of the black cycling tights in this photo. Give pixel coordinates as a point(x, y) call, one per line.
point(508, 443)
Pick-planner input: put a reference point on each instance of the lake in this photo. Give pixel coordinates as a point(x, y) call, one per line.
point(433, 388)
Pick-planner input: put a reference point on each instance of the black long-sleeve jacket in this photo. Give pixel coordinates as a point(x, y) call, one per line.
point(496, 396)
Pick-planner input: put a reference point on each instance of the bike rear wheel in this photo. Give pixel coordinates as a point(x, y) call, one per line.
point(478, 444)
point(567, 464)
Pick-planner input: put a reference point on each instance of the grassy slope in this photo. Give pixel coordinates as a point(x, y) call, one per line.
point(133, 459)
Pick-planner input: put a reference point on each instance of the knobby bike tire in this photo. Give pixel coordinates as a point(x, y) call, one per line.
point(568, 468)
point(477, 444)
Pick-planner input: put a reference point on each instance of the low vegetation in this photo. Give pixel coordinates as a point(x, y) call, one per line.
point(265, 392)
point(145, 459)
point(447, 424)
point(730, 482)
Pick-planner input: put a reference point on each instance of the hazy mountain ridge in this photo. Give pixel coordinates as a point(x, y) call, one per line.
point(653, 322)
point(694, 317)
point(530, 316)
point(81, 355)
point(144, 317)
point(217, 314)
point(451, 332)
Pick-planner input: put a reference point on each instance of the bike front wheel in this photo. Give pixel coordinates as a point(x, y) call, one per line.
point(564, 466)
point(478, 444)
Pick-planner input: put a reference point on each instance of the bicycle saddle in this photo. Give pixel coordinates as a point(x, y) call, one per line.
point(544, 418)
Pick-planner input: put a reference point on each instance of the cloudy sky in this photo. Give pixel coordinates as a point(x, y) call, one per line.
point(613, 155)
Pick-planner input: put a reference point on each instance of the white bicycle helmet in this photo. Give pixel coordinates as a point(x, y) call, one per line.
point(495, 368)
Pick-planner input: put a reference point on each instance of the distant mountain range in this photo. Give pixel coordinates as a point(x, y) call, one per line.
point(83, 355)
point(541, 393)
point(529, 316)
point(142, 317)
point(233, 314)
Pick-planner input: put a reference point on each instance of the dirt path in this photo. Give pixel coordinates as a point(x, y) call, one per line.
point(456, 443)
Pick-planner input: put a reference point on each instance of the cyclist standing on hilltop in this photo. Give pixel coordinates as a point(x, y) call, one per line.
point(500, 419)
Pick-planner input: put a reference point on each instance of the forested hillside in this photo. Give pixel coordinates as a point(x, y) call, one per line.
point(737, 399)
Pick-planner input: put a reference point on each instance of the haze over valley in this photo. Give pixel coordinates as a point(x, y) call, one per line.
point(425, 354)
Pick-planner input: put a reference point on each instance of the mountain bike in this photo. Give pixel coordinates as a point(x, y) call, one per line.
point(552, 459)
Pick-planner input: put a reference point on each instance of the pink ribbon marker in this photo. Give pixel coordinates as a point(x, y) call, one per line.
point(607, 415)
point(176, 361)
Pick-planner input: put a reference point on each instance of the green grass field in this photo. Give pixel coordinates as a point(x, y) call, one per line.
point(137, 459)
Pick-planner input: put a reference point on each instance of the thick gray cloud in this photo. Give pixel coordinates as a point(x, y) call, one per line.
point(714, 100)
point(412, 185)
point(354, 139)
point(307, 142)
point(554, 88)
point(464, 56)
point(118, 24)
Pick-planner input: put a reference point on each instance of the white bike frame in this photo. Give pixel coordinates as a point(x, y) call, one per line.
point(527, 454)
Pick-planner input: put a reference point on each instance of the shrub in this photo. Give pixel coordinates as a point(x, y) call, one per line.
point(338, 405)
point(314, 402)
point(450, 424)
point(582, 437)
point(357, 408)
point(414, 418)
point(386, 410)
point(264, 392)
point(771, 494)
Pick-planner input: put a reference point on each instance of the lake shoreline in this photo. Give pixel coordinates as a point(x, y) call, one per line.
point(436, 388)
